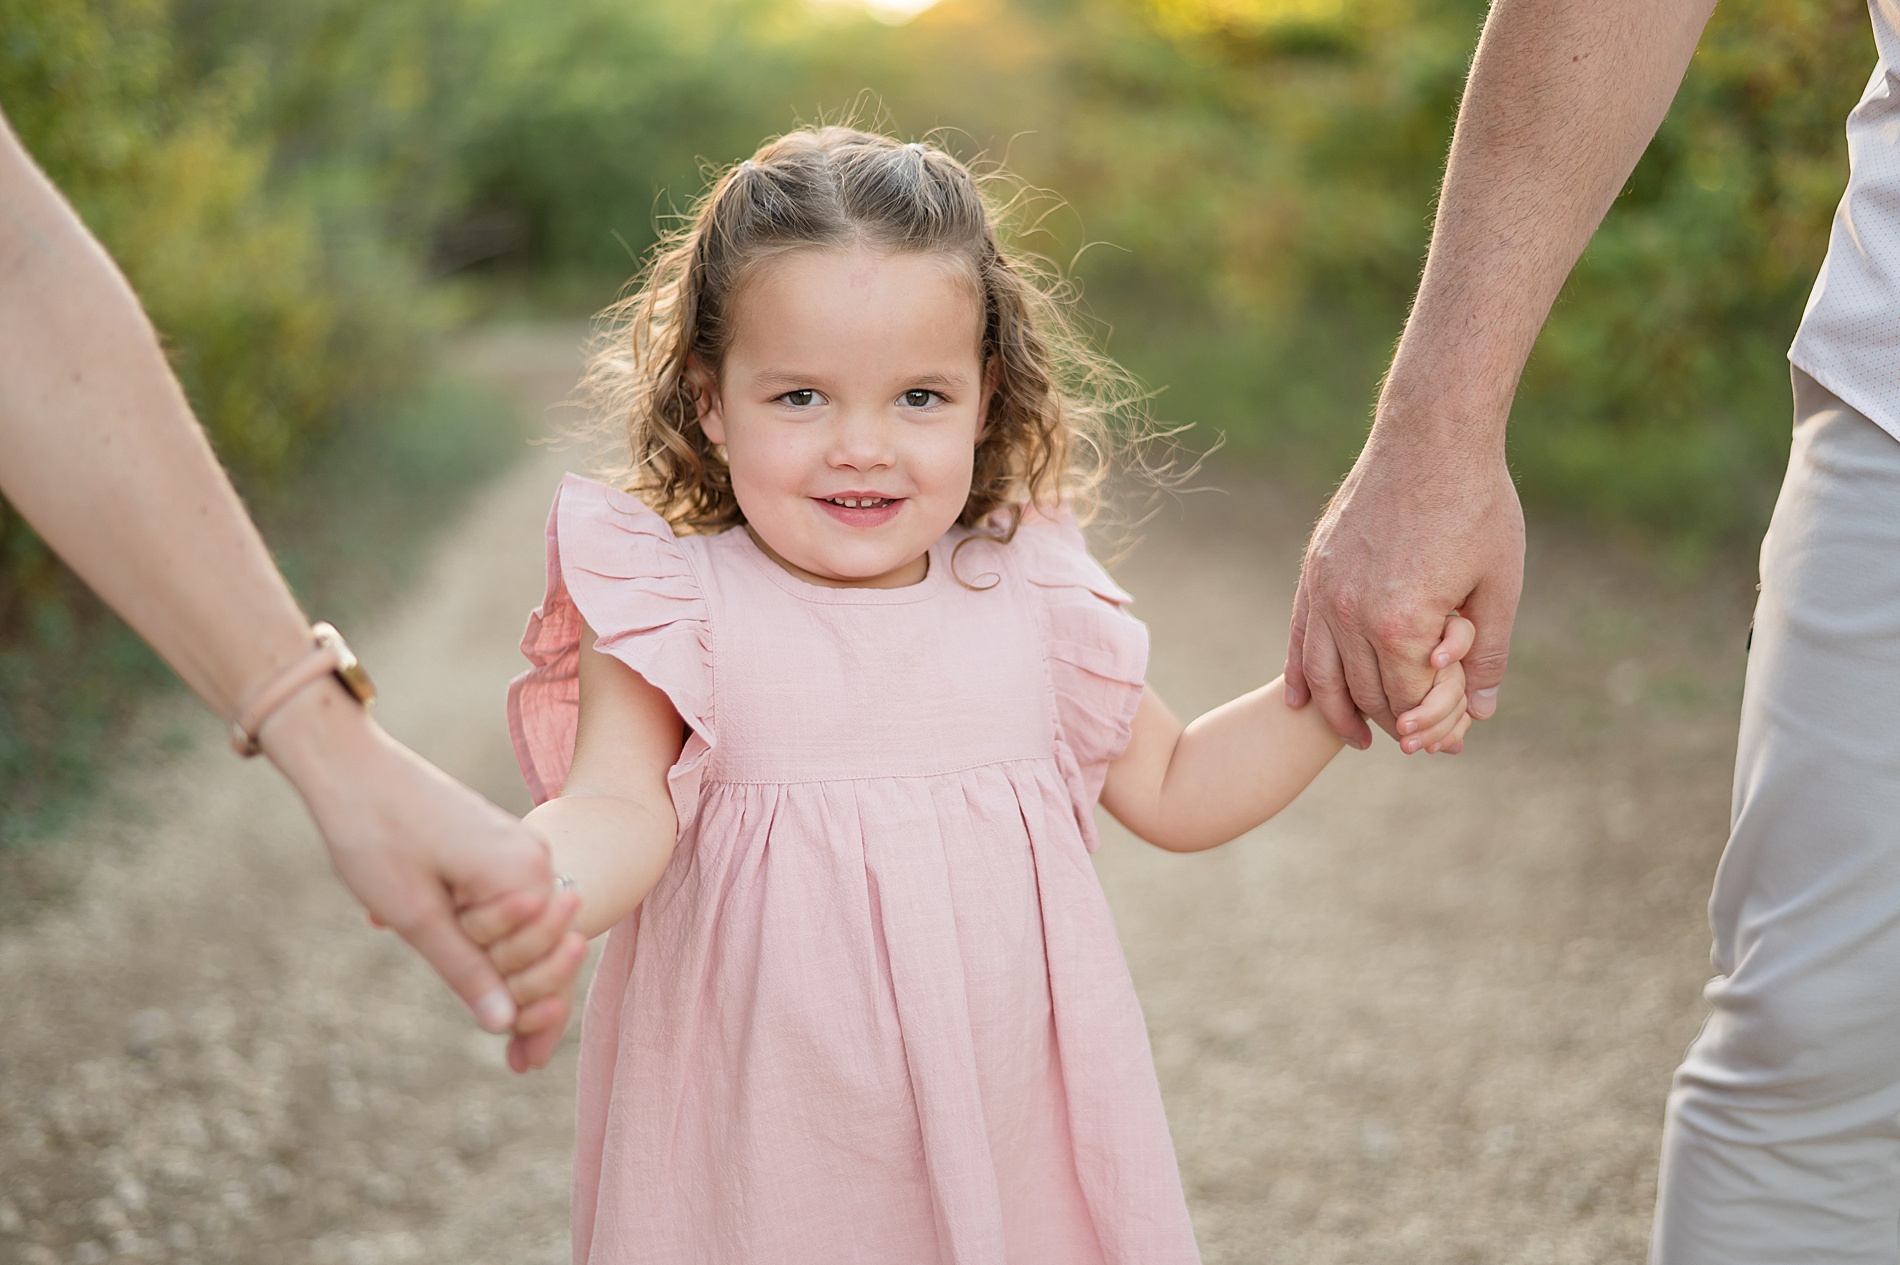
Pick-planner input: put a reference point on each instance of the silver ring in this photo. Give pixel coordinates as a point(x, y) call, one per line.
point(565, 883)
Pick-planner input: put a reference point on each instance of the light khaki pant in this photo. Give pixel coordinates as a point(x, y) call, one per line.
point(1782, 1144)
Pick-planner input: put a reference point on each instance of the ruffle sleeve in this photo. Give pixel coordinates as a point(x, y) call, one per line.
point(1097, 654)
point(614, 566)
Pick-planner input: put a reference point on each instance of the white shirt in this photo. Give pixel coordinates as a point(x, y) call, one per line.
point(1849, 340)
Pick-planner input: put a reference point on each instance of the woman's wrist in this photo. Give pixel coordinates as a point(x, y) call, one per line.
point(317, 736)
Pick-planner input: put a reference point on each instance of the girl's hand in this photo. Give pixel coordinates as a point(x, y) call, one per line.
point(538, 957)
point(1438, 724)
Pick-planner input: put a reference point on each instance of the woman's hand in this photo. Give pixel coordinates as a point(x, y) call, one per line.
point(539, 957)
point(414, 845)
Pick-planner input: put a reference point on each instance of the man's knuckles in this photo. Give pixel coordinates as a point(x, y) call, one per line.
point(1487, 664)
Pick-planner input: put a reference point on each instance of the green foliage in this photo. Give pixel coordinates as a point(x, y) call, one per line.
point(1245, 195)
point(1659, 394)
point(284, 186)
point(597, 122)
point(161, 166)
point(292, 307)
point(1248, 187)
point(1265, 169)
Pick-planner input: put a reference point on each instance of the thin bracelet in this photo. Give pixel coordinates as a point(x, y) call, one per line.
point(330, 655)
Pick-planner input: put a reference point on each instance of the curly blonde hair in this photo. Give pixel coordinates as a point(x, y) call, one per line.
point(1046, 441)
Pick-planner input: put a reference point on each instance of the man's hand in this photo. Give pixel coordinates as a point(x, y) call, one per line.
point(1419, 529)
point(1438, 724)
point(1563, 96)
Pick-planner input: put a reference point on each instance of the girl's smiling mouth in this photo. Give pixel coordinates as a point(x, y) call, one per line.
point(861, 509)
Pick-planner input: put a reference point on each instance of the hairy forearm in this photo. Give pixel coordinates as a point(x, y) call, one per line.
point(1563, 97)
point(1194, 787)
point(100, 453)
point(614, 848)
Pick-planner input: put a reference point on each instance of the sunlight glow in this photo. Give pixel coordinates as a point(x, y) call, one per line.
point(1199, 16)
point(891, 12)
point(896, 12)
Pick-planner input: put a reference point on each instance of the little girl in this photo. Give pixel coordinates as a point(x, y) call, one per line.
point(820, 711)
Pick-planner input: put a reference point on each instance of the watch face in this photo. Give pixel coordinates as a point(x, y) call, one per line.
point(356, 680)
point(349, 669)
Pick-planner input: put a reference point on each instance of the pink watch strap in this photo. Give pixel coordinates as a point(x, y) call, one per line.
point(321, 661)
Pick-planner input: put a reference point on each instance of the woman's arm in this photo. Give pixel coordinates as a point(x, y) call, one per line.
point(100, 453)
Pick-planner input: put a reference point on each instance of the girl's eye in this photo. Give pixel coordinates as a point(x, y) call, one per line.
point(800, 399)
point(920, 399)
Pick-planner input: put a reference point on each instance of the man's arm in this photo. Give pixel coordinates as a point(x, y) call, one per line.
point(1563, 97)
point(100, 453)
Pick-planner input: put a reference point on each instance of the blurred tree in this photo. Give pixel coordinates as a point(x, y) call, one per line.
point(1265, 171)
point(1245, 190)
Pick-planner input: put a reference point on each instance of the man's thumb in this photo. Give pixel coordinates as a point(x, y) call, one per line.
point(1492, 612)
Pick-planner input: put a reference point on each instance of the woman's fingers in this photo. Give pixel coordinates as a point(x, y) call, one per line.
point(549, 1012)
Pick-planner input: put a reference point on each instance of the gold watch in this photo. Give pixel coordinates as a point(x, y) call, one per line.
point(329, 655)
point(349, 669)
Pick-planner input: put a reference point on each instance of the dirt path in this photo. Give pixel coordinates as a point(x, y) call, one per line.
point(1427, 1015)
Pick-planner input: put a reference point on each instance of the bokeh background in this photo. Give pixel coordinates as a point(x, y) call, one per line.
point(307, 195)
point(1429, 1014)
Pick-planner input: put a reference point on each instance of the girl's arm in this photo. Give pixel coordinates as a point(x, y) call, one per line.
point(1193, 787)
point(612, 827)
point(1186, 788)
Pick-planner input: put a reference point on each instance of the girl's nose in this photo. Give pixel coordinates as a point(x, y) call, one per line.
point(862, 441)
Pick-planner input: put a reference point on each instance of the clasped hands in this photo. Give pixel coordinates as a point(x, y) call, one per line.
point(1403, 616)
point(1425, 525)
point(530, 942)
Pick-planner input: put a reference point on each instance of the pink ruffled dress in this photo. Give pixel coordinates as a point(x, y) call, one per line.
point(875, 1010)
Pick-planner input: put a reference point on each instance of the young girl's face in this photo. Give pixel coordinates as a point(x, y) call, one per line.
point(850, 403)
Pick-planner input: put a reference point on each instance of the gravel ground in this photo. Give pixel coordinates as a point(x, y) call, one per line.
point(1428, 1014)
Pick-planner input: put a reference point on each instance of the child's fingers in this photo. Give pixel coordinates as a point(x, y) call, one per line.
point(552, 974)
point(530, 1050)
point(1426, 723)
point(549, 1012)
point(1455, 743)
point(532, 941)
point(488, 922)
point(1460, 633)
point(1434, 718)
point(538, 1031)
point(1435, 733)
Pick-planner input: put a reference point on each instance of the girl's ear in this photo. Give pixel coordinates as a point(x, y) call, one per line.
point(705, 389)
